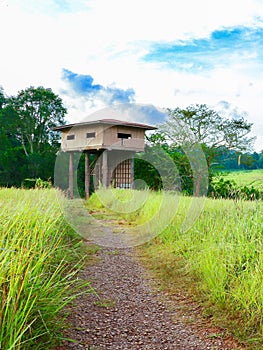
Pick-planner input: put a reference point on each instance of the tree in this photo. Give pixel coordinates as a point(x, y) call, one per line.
point(260, 160)
point(195, 138)
point(197, 124)
point(2, 98)
point(163, 166)
point(149, 173)
point(36, 111)
point(28, 147)
point(12, 158)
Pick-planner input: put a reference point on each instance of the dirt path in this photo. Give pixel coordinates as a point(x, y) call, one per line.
point(129, 313)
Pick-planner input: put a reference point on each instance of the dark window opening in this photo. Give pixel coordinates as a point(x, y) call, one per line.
point(90, 135)
point(122, 135)
point(70, 137)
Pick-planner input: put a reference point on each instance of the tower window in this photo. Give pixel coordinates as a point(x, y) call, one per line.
point(122, 135)
point(70, 137)
point(90, 135)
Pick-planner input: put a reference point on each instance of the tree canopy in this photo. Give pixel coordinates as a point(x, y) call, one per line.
point(197, 139)
point(33, 112)
point(197, 124)
point(28, 146)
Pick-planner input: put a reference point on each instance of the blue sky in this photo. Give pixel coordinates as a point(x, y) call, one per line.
point(82, 85)
point(98, 54)
point(221, 48)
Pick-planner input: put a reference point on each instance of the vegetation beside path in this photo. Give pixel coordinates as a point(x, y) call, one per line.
point(218, 260)
point(247, 178)
point(40, 256)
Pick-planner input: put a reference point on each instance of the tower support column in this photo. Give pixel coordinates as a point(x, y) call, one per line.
point(87, 175)
point(71, 174)
point(105, 169)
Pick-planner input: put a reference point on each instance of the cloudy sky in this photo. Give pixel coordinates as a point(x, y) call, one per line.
point(99, 54)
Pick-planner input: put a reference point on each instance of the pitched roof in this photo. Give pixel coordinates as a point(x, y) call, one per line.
point(106, 122)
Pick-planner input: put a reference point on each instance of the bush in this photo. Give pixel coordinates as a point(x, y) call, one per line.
point(228, 189)
point(36, 183)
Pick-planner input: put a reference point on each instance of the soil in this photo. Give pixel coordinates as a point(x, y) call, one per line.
point(130, 311)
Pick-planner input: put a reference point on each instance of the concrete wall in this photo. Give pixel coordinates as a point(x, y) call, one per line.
point(81, 142)
point(106, 137)
point(136, 142)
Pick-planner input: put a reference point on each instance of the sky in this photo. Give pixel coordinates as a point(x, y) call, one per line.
point(101, 57)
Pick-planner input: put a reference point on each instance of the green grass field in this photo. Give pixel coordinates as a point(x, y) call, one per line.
point(247, 178)
point(219, 258)
point(211, 248)
point(39, 259)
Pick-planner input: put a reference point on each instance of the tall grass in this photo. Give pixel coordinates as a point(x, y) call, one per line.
point(39, 259)
point(222, 251)
point(247, 178)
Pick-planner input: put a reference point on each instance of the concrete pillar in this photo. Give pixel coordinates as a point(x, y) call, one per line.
point(132, 170)
point(87, 175)
point(105, 169)
point(71, 174)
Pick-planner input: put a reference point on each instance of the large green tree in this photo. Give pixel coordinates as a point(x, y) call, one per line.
point(28, 145)
point(2, 98)
point(195, 138)
point(198, 124)
point(36, 111)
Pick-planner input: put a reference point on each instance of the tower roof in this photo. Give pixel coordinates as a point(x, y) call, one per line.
point(105, 122)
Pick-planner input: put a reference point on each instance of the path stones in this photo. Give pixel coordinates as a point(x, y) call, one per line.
point(137, 319)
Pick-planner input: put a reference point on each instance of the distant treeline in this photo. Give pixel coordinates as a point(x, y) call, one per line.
point(230, 160)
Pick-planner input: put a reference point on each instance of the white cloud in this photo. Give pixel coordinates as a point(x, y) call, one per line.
point(107, 39)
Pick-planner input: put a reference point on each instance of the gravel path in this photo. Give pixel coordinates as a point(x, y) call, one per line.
point(129, 313)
